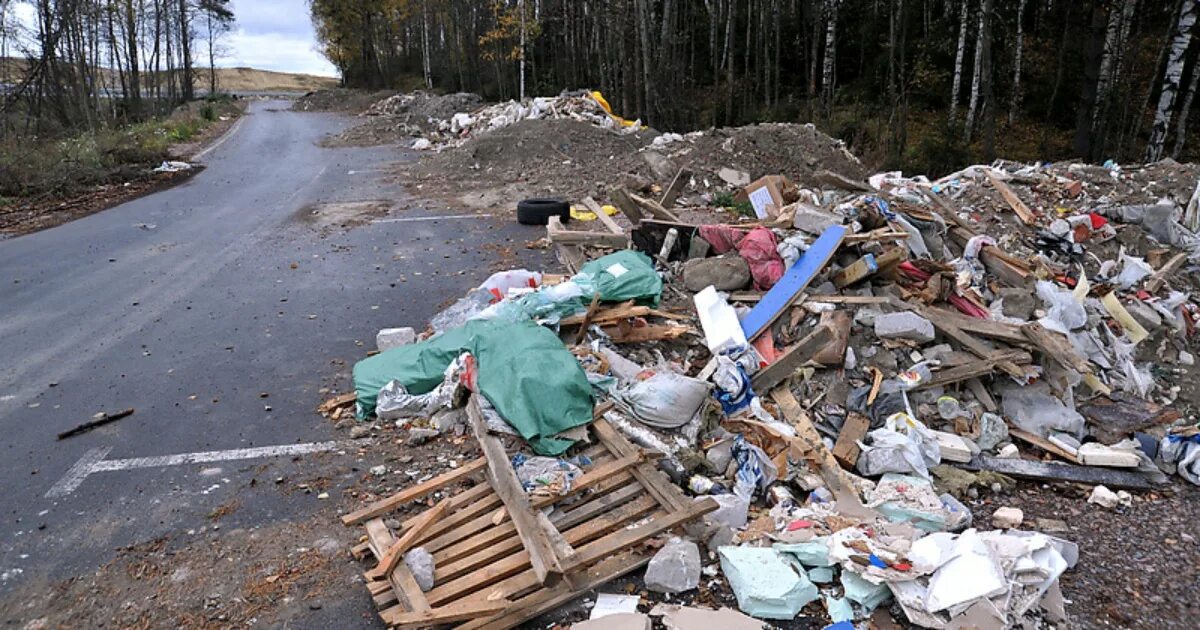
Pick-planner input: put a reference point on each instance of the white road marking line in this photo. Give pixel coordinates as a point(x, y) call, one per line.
point(228, 134)
point(93, 461)
point(434, 218)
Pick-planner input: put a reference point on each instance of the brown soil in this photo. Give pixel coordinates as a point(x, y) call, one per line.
point(573, 159)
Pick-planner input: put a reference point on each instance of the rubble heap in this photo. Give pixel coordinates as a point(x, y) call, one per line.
point(809, 393)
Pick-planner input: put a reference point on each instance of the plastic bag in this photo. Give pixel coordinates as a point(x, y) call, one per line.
point(545, 475)
point(666, 400)
point(1063, 313)
point(904, 445)
point(791, 248)
point(758, 250)
point(1034, 409)
point(1133, 271)
point(499, 283)
point(465, 309)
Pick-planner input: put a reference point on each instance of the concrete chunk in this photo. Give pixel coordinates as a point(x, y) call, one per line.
point(726, 273)
point(675, 568)
point(1007, 518)
point(389, 338)
point(904, 325)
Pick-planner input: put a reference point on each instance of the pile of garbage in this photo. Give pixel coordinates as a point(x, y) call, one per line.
point(456, 128)
point(843, 368)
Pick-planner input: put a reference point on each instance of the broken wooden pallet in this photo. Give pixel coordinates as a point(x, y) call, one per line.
point(487, 544)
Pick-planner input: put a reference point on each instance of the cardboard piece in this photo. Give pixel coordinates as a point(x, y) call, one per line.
point(765, 195)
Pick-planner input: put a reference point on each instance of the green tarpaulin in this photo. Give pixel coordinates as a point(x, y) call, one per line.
point(524, 370)
point(624, 275)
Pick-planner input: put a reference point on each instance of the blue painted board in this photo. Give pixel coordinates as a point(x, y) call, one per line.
point(793, 282)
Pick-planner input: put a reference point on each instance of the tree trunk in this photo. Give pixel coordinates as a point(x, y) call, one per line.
point(829, 71)
point(958, 59)
point(185, 45)
point(1181, 135)
point(976, 73)
point(1091, 81)
point(1015, 96)
point(1171, 79)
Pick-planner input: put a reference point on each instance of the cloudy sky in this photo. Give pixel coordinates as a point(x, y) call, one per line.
point(269, 34)
point(275, 35)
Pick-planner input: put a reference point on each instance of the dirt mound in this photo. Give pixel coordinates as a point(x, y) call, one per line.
point(573, 159)
point(424, 108)
point(337, 100)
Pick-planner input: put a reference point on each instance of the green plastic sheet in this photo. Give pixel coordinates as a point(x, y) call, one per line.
point(624, 275)
point(524, 371)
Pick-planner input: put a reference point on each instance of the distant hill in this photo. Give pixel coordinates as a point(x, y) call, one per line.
point(228, 79)
point(253, 80)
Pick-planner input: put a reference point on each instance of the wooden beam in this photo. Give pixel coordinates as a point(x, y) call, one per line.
point(624, 203)
point(395, 553)
point(1027, 216)
point(1043, 443)
point(653, 208)
point(504, 482)
point(603, 217)
point(836, 479)
point(1159, 278)
point(383, 506)
point(1056, 346)
point(672, 193)
point(793, 359)
point(458, 611)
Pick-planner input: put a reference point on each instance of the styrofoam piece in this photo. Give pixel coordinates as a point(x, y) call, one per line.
point(765, 585)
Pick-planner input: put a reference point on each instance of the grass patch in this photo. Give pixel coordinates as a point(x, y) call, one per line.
point(72, 165)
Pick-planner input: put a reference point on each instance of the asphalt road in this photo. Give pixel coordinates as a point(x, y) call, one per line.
point(192, 304)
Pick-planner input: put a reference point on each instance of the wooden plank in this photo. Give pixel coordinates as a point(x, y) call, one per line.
point(846, 450)
point(1051, 471)
point(982, 395)
point(793, 359)
point(602, 216)
point(649, 332)
point(624, 203)
point(547, 599)
point(570, 256)
point(653, 208)
point(403, 585)
point(600, 239)
point(999, 331)
point(976, 347)
point(836, 479)
point(594, 552)
point(408, 540)
point(867, 266)
point(1159, 278)
point(673, 191)
point(587, 319)
point(881, 234)
point(979, 368)
point(515, 571)
point(1027, 216)
point(458, 611)
point(337, 401)
point(1056, 346)
point(383, 506)
point(837, 180)
point(794, 282)
point(504, 482)
point(1043, 443)
point(667, 494)
point(464, 507)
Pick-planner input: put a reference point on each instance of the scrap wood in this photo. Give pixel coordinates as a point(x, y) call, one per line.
point(838, 322)
point(854, 429)
point(654, 208)
point(876, 382)
point(624, 310)
point(98, 420)
point(1056, 346)
point(672, 193)
point(396, 552)
point(793, 359)
point(1027, 216)
point(624, 202)
point(941, 378)
point(837, 180)
point(949, 328)
point(838, 481)
point(1159, 278)
point(624, 333)
point(880, 234)
point(868, 266)
point(336, 402)
point(1043, 443)
point(458, 611)
point(1050, 471)
point(503, 479)
point(383, 506)
point(608, 222)
point(587, 319)
point(560, 235)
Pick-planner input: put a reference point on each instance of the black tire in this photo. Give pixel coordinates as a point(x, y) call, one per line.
point(539, 211)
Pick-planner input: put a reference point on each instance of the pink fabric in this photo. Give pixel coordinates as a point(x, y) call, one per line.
point(758, 249)
point(723, 238)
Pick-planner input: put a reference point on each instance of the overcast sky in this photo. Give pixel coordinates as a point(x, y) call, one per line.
point(275, 35)
point(269, 35)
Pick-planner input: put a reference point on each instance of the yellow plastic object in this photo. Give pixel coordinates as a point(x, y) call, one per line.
point(587, 215)
point(599, 98)
point(1132, 328)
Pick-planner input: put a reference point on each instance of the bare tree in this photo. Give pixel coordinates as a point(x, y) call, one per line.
point(1172, 75)
point(958, 58)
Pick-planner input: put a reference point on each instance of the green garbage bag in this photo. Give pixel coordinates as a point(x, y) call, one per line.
point(524, 371)
point(624, 275)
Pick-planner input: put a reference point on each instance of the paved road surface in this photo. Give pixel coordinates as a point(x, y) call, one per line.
point(188, 305)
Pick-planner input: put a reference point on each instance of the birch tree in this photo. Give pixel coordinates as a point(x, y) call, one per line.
point(1015, 96)
point(829, 69)
point(1172, 75)
point(958, 58)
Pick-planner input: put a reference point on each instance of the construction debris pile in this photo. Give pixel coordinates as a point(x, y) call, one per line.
point(795, 403)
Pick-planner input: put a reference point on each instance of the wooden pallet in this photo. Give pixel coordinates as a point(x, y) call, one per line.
point(499, 560)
